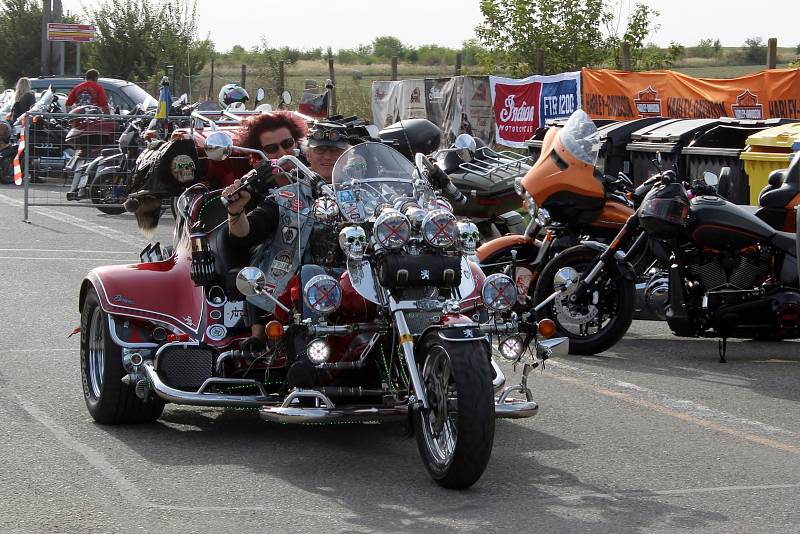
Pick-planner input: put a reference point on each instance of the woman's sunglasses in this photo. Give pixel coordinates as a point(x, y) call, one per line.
point(286, 144)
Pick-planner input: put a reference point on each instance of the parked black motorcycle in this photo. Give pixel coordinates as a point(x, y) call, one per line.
point(728, 274)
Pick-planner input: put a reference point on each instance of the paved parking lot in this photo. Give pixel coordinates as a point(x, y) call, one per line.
point(652, 436)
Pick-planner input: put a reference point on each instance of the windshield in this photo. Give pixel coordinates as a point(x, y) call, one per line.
point(139, 96)
point(44, 101)
point(368, 175)
point(579, 136)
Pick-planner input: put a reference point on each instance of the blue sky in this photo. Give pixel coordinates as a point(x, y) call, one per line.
point(347, 23)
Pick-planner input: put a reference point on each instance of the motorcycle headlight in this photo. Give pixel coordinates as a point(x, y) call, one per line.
point(392, 229)
point(318, 351)
point(323, 294)
point(543, 217)
point(499, 292)
point(531, 205)
point(439, 229)
point(518, 186)
point(511, 348)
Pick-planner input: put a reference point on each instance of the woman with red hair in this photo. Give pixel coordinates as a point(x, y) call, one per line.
point(276, 133)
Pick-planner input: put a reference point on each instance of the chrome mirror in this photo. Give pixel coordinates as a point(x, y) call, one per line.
point(465, 147)
point(710, 178)
point(250, 281)
point(219, 146)
point(260, 94)
point(286, 97)
point(566, 279)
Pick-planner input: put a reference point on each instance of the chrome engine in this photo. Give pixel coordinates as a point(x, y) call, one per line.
point(730, 271)
point(652, 297)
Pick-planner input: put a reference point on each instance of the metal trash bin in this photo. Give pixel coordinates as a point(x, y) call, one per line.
point(613, 156)
point(668, 137)
point(720, 147)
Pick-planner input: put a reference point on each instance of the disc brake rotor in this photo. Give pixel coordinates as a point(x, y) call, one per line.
point(575, 311)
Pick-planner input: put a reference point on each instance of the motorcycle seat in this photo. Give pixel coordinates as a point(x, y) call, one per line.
point(785, 241)
point(780, 197)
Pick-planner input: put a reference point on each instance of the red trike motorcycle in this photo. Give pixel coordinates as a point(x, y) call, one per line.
point(376, 314)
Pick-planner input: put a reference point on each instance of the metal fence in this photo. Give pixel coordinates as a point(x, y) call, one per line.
point(82, 160)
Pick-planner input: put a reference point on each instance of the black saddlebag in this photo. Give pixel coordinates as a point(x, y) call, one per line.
point(398, 270)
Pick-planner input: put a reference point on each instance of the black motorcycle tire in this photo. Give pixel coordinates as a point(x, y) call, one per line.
point(110, 401)
point(471, 374)
point(95, 194)
point(616, 328)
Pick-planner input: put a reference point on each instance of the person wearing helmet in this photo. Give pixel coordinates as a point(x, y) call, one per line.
point(231, 94)
point(281, 223)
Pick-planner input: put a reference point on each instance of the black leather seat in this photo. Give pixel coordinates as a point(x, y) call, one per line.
point(780, 191)
point(785, 241)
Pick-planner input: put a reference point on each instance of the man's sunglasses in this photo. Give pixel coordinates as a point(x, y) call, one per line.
point(286, 144)
point(330, 135)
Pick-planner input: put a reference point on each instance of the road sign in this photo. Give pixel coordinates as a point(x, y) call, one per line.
point(79, 33)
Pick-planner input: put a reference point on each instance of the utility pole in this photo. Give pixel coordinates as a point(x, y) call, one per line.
point(45, 57)
point(58, 47)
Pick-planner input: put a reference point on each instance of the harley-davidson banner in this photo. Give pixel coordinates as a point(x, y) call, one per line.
point(522, 106)
point(609, 94)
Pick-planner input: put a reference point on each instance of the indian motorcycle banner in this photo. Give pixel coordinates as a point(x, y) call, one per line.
point(609, 94)
point(523, 106)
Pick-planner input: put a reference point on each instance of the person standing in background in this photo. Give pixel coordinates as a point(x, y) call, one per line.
point(24, 98)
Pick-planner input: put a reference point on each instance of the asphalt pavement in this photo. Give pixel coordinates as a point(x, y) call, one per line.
point(654, 435)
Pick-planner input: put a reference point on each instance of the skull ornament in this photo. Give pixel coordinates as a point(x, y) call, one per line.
point(468, 236)
point(182, 168)
point(353, 242)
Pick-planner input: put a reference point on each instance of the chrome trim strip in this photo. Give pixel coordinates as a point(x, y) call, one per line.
point(201, 399)
point(112, 330)
point(500, 379)
point(296, 415)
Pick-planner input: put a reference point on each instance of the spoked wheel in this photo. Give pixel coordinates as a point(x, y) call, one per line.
point(455, 435)
point(597, 319)
point(103, 190)
point(108, 400)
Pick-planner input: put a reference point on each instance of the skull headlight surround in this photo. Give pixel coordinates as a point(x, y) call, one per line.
point(353, 242)
point(468, 237)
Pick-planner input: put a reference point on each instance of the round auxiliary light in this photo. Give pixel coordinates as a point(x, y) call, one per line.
point(323, 294)
point(318, 351)
point(499, 292)
point(439, 229)
point(511, 348)
point(392, 229)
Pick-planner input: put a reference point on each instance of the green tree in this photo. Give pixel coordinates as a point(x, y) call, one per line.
point(570, 32)
point(136, 38)
point(20, 39)
point(755, 51)
point(387, 47)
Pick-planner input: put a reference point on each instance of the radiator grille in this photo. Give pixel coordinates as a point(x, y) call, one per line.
point(185, 368)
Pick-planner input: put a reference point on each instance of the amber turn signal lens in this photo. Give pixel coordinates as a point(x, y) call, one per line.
point(547, 328)
point(274, 330)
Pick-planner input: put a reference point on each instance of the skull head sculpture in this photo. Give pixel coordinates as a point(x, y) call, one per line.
point(353, 242)
point(469, 236)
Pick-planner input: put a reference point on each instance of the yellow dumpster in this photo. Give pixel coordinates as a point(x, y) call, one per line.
point(767, 151)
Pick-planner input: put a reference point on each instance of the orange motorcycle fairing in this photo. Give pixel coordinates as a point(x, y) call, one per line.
point(507, 242)
point(613, 215)
point(563, 184)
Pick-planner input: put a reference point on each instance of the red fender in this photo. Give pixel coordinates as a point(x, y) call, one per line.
point(160, 292)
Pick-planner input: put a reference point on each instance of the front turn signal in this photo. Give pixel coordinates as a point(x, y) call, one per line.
point(274, 330)
point(547, 328)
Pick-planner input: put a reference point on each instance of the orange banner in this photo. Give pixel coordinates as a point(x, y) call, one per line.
point(610, 94)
